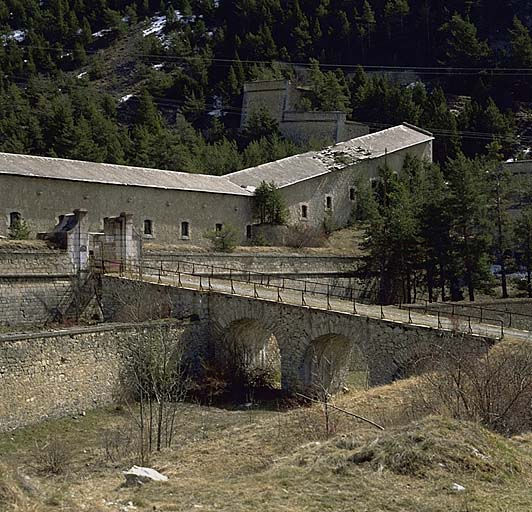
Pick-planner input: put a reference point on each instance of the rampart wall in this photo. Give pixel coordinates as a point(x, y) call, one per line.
point(34, 285)
point(53, 374)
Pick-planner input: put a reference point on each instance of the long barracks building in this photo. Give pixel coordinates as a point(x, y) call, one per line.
point(174, 207)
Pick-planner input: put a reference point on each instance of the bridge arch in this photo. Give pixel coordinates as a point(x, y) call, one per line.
point(332, 361)
point(248, 350)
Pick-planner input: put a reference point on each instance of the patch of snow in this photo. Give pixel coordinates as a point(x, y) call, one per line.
point(157, 24)
point(125, 98)
point(15, 35)
point(101, 33)
point(82, 74)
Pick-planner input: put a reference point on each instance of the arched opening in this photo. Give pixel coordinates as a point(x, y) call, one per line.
point(332, 362)
point(249, 357)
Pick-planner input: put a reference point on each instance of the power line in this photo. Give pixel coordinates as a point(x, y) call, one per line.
point(225, 62)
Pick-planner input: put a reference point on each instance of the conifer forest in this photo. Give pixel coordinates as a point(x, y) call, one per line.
point(159, 84)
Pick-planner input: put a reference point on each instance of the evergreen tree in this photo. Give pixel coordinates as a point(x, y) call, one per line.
point(520, 45)
point(469, 226)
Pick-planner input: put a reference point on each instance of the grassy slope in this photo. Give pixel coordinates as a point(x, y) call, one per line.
point(266, 460)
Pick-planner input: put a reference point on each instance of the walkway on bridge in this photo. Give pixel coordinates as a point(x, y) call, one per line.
point(254, 285)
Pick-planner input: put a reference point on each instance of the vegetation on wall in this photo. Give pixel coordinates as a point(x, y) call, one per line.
point(269, 205)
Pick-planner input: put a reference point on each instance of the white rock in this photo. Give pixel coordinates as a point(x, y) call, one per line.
point(457, 487)
point(138, 475)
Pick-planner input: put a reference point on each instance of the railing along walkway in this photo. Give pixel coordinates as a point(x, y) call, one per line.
point(233, 283)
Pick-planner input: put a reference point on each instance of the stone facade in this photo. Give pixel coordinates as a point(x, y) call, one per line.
point(34, 286)
point(36, 200)
point(341, 188)
point(179, 208)
point(280, 98)
point(303, 127)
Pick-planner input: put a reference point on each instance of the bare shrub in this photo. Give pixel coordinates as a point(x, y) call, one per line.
point(493, 387)
point(52, 456)
point(119, 444)
point(158, 379)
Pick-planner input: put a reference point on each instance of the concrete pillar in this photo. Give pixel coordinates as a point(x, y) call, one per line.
point(78, 241)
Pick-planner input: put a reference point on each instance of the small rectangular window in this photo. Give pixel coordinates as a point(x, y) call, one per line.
point(219, 227)
point(148, 227)
point(304, 211)
point(352, 194)
point(185, 231)
point(248, 232)
point(14, 219)
point(328, 202)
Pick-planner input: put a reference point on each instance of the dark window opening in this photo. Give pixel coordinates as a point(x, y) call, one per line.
point(304, 211)
point(148, 226)
point(219, 227)
point(352, 194)
point(185, 229)
point(328, 202)
point(248, 232)
point(14, 219)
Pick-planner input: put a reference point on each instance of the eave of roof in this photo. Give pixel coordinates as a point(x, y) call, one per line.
point(111, 174)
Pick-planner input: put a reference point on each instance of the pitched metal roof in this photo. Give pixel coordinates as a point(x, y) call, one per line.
point(294, 169)
point(76, 170)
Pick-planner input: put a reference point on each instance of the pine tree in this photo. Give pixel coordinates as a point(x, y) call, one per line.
point(520, 45)
point(462, 47)
point(469, 222)
point(523, 232)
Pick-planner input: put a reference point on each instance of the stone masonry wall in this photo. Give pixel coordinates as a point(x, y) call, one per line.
point(269, 263)
point(34, 285)
point(34, 262)
point(54, 374)
point(30, 300)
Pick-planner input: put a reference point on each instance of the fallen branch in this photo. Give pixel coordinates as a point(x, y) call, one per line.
point(342, 410)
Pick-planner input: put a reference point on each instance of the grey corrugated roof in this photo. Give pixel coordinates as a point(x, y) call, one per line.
point(75, 170)
point(302, 167)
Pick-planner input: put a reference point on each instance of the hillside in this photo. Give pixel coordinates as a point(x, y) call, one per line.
point(159, 83)
point(241, 460)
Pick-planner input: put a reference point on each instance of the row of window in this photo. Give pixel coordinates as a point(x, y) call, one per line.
point(185, 229)
point(328, 203)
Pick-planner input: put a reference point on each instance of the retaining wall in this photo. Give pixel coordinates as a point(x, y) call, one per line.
point(34, 286)
point(53, 374)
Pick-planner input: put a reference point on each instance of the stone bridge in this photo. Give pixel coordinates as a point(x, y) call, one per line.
point(313, 340)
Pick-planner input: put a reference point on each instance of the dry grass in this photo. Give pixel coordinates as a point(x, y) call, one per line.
point(29, 245)
point(343, 242)
point(241, 460)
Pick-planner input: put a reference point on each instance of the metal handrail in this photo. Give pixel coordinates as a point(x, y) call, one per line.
point(161, 272)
